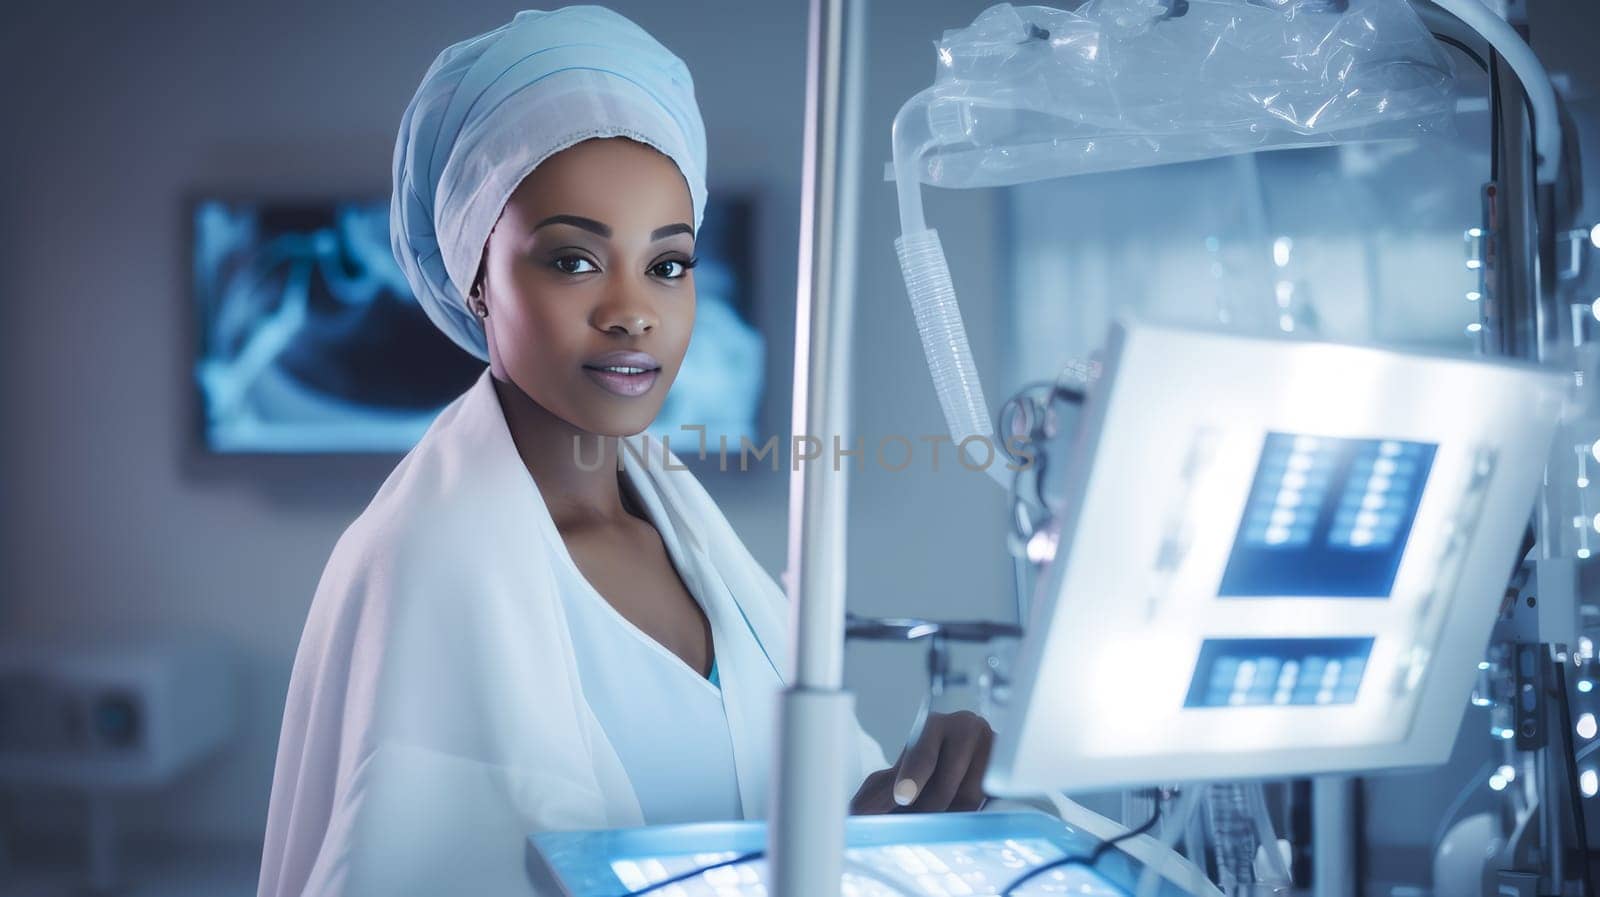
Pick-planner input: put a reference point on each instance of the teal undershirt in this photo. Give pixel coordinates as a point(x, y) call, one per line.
point(714, 678)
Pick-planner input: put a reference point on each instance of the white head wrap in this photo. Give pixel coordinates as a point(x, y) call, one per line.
point(492, 107)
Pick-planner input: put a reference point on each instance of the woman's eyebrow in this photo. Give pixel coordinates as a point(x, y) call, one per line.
point(661, 233)
point(588, 224)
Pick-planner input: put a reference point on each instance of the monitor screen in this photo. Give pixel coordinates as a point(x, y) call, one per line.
point(1327, 517)
point(1276, 556)
point(310, 340)
point(1299, 672)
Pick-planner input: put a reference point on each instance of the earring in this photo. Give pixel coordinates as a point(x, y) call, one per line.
point(481, 310)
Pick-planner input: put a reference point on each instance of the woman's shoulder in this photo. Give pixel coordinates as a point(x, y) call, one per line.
point(411, 516)
point(463, 472)
point(449, 519)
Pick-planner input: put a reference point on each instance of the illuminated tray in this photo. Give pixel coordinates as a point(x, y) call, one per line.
point(886, 856)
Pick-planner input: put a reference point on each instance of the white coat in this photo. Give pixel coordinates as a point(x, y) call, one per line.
point(435, 717)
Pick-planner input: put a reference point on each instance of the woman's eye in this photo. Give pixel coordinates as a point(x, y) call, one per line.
point(574, 264)
point(671, 269)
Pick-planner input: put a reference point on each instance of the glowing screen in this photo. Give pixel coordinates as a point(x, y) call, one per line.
point(1241, 672)
point(1327, 517)
point(894, 870)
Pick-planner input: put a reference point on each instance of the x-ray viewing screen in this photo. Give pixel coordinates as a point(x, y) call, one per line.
point(310, 340)
point(1327, 517)
point(1236, 672)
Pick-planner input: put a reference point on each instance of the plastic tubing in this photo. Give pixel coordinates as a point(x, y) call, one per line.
point(1172, 828)
point(1145, 849)
point(933, 294)
point(1535, 80)
point(1233, 837)
point(1266, 835)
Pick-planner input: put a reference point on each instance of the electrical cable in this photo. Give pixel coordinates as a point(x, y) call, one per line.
point(857, 867)
point(1027, 415)
point(1089, 859)
point(1031, 415)
point(1464, 48)
point(1494, 118)
point(1540, 94)
point(1488, 69)
point(696, 873)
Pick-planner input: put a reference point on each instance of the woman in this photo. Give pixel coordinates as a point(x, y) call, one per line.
point(517, 634)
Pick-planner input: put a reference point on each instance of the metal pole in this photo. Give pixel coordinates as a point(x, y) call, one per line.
point(1333, 836)
point(805, 838)
point(1518, 318)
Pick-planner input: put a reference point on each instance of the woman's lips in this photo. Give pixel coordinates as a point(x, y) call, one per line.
point(626, 385)
point(626, 374)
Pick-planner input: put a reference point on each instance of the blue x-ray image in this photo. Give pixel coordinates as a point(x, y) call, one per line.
point(310, 340)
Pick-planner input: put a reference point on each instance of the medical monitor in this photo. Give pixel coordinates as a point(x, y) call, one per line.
point(309, 338)
point(1276, 557)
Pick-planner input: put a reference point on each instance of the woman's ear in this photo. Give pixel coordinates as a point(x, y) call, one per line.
point(475, 299)
point(476, 292)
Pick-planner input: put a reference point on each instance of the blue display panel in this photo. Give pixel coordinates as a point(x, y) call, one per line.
point(1327, 517)
point(891, 855)
point(1296, 672)
point(897, 870)
point(310, 339)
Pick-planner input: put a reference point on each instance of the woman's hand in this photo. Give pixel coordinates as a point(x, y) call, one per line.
point(942, 771)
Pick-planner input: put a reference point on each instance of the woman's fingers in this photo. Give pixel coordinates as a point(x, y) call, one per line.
point(955, 756)
point(876, 794)
point(942, 770)
point(917, 764)
point(970, 795)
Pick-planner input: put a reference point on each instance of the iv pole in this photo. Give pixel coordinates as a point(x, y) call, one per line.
point(817, 716)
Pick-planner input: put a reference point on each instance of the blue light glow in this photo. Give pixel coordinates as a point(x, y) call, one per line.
point(1327, 517)
point(1245, 672)
point(310, 340)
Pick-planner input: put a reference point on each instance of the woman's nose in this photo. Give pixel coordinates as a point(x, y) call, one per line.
point(626, 314)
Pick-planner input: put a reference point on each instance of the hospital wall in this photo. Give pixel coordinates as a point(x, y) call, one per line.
point(115, 519)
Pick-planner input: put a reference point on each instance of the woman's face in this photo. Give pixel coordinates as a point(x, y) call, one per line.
point(588, 285)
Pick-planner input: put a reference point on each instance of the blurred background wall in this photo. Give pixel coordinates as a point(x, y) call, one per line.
point(117, 521)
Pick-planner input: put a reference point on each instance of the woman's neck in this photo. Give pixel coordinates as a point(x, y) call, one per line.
point(576, 472)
